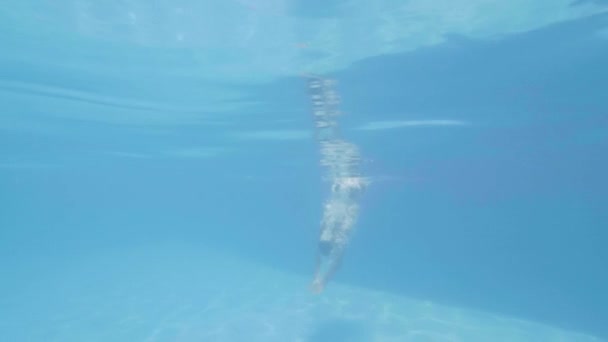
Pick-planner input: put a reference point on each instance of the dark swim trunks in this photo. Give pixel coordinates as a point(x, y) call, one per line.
point(325, 247)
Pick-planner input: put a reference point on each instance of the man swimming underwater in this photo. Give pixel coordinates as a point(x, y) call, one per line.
point(340, 213)
point(341, 160)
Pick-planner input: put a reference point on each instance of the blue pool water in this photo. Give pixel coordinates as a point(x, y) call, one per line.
point(165, 166)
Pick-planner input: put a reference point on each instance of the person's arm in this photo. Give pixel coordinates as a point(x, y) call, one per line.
point(317, 281)
point(333, 268)
point(317, 263)
point(322, 278)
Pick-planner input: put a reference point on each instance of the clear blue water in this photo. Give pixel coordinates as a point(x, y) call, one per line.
point(160, 179)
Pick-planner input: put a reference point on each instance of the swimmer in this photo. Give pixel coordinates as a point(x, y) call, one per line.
point(341, 160)
point(329, 258)
point(339, 216)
